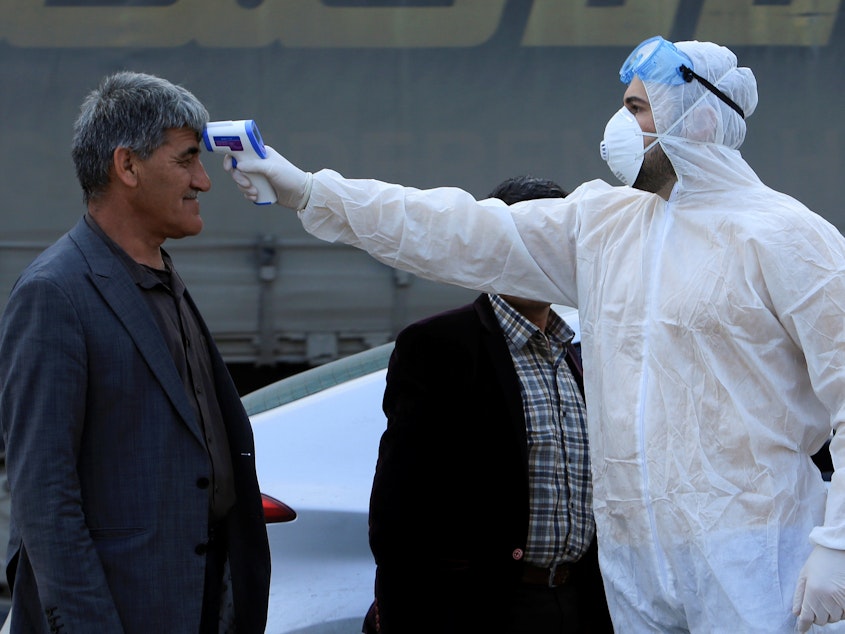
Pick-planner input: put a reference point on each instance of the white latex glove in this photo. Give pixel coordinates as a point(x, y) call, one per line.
point(291, 184)
point(820, 595)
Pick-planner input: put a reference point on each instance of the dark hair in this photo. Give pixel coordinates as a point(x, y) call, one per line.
point(519, 188)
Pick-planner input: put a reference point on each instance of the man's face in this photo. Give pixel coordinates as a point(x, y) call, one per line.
point(636, 101)
point(166, 204)
point(525, 305)
point(656, 172)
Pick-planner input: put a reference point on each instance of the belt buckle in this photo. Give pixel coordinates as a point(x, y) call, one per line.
point(553, 571)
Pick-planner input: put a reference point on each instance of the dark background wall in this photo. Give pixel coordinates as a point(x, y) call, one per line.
point(425, 92)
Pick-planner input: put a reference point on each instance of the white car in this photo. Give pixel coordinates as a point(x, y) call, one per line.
point(316, 443)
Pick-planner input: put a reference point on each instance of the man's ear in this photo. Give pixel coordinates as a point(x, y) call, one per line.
point(125, 164)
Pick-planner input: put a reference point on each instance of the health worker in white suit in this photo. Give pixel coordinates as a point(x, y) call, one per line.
point(712, 312)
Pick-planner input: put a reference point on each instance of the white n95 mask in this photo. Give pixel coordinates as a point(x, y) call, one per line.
point(622, 146)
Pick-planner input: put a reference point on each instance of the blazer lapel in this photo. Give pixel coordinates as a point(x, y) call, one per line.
point(119, 291)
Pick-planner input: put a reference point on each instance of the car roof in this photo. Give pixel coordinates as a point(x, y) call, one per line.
point(317, 379)
point(340, 371)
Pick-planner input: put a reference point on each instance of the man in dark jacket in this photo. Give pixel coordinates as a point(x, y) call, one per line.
point(135, 503)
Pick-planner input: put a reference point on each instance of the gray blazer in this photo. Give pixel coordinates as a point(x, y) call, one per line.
point(106, 459)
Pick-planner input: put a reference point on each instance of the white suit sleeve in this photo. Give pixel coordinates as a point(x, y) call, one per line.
point(806, 279)
point(446, 235)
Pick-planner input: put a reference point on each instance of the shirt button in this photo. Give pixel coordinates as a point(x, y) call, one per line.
point(517, 553)
point(203, 483)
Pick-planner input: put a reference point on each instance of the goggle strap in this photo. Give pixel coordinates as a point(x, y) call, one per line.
point(689, 75)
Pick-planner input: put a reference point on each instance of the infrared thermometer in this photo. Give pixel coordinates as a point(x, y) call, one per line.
point(240, 138)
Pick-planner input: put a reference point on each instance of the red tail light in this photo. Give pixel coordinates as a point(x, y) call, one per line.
point(276, 511)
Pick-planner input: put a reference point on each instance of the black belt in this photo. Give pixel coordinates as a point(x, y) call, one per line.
point(550, 577)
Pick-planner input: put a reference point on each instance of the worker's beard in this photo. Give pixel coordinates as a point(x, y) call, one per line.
point(656, 171)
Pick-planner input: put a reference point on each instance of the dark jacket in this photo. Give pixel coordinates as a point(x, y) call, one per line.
point(107, 461)
point(449, 505)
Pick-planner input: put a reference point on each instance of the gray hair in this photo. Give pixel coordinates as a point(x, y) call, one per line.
point(131, 110)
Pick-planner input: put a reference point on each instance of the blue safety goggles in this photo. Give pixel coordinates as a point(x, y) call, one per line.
point(659, 60)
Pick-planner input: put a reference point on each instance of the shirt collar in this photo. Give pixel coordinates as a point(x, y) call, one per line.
point(518, 329)
point(143, 276)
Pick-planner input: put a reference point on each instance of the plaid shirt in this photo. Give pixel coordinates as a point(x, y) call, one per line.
point(560, 523)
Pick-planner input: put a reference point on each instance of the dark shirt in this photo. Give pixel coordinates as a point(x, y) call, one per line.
point(164, 292)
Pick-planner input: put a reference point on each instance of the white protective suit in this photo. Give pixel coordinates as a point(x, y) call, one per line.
point(713, 343)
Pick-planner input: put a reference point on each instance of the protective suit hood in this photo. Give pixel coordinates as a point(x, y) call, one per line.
point(699, 132)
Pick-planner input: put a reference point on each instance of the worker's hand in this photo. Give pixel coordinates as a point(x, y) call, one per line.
point(820, 595)
point(291, 184)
